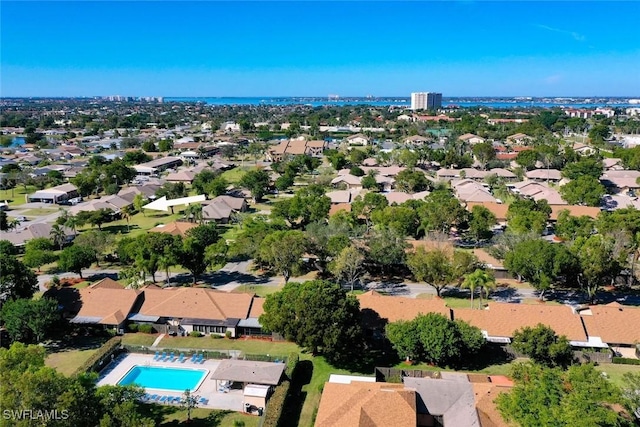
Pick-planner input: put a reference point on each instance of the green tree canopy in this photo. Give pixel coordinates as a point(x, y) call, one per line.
point(526, 215)
point(585, 190)
point(16, 279)
point(541, 263)
point(433, 338)
point(30, 320)
point(193, 253)
point(585, 166)
point(282, 251)
point(317, 315)
point(543, 346)
point(544, 396)
point(76, 258)
point(256, 181)
point(411, 181)
point(440, 267)
point(597, 261)
point(481, 222)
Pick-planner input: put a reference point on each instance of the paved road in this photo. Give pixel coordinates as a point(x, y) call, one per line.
point(236, 274)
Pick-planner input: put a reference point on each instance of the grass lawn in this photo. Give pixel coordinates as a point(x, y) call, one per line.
point(16, 197)
point(234, 175)
point(249, 346)
point(260, 290)
point(139, 339)
point(231, 232)
point(497, 369)
point(67, 362)
point(313, 390)
point(615, 372)
point(169, 416)
point(138, 223)
point(39, 212)
point(452, 302)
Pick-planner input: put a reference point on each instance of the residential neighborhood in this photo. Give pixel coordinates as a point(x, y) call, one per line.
point(408, 263)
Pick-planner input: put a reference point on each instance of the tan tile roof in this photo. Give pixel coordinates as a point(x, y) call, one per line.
point(197, 303)
point(257, 307)
point(175, 228)
point(498, 209)
point(337, 207)
point(107, 283)
point(109, 305)
point(574, 210)
point(485, 258)
point(395, 308)
point(613, 323)
point(485, 396)
point(362, 404)
point(503, 319)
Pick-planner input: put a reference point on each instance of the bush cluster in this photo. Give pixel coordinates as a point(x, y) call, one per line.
point(98, 358)
point(625, 361)
point(145, 329)
point(275, 408)
point(195, 334)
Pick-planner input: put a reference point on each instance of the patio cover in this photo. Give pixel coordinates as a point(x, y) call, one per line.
point(246, 371)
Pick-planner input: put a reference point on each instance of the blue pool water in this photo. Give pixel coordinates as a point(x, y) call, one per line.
point(174, 379)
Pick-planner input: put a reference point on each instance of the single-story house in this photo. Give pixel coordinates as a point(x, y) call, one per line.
point(221, 208)
point(357, 139)
point(544, 175)
point(184, 310)
point(175, 228)
point(57, 194)
point(366, 404)
point(470, 138)
point(21, 235)
point(157, 165)
point(105, 305)
point(519, 139)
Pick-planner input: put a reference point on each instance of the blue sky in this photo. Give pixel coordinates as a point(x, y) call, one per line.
point(315, 48)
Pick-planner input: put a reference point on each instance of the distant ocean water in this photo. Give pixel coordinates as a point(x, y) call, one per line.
point(406, 102)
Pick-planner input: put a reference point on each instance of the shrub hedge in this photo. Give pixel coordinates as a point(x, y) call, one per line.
point(625, 361)
point(97, 359)
point(146, 329)
point(275, 406)
point(292, 361)
point(195, 334)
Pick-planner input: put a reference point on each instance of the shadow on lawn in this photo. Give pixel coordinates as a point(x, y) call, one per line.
point(159, 412)
point(296, 397)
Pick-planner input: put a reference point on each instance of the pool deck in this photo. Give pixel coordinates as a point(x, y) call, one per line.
point(232, 400)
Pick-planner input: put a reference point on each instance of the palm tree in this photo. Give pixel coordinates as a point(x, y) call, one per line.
point(487, 286)
point(126, 213)
point(165, 262)
point(194, 213)
point(479, 279)
point(58, 235)
point(13, 224)
point(72, 223)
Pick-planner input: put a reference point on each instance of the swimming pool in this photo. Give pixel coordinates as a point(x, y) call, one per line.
point(173, 379)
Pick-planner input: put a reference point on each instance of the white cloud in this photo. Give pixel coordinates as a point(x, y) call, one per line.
point(576, 36)
point(553, 79)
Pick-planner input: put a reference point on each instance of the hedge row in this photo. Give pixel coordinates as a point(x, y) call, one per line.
point(275, 406)
point(625, 361)
point(292, 361)
point(98, 358)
